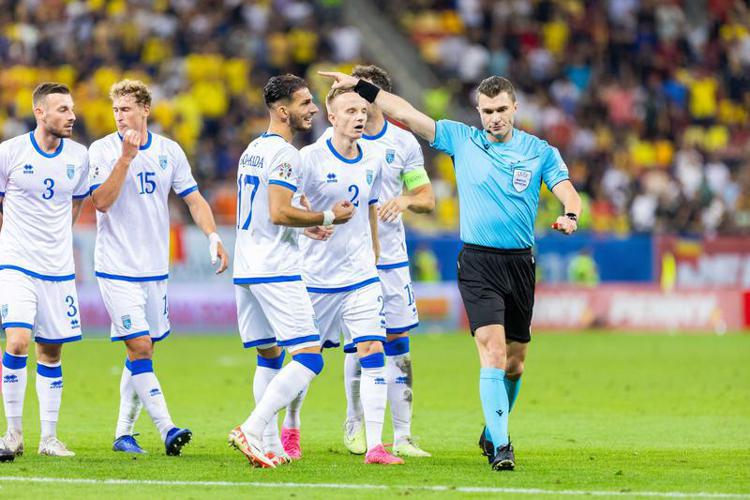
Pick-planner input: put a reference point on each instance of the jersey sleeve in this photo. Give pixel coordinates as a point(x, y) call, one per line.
point(81, 189)
point(448, 135)
point(4, 168)
point(554, 170)
point(183, 182)
point(98, 166)
point(414, 173)
point(285, 169)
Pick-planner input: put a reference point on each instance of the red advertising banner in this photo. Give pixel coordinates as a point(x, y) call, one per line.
point(703, 263)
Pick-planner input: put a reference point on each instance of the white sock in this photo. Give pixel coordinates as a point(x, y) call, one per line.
point(280, 392)
point(130, 405)
point(147, 387)
point(292, 418)
point(352, 376)
point(374, 391)
point(14, 389)
point(398, 374)
point(266, 371)
point(49, 386)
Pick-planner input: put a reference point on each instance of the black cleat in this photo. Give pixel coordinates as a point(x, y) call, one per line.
point(488, 449)
point(504, 458)
point(7, 456)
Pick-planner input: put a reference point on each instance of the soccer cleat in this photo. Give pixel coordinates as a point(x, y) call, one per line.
point(251, 447)
point(408, 448)
point(127, 444)
point(290, 439)
point(354, 437)
point(53, 447)
point(488, 449)
point(12, 442)
point(379, 455)
point(7, 456)
point(278, 459)
point(176, 439)
point(504, 458)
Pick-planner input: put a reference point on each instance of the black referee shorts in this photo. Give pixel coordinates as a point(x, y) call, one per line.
point(497, 288)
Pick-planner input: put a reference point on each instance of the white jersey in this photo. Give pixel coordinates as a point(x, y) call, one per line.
point(346, 260)
point(39, 188)
point(132, 237)
point(403, 155)
point(265, 252)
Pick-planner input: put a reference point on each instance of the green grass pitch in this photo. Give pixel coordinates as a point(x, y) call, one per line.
point(596, 413)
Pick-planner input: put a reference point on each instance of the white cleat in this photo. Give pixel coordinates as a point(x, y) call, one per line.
point(12, 442)
point(53, 447)
point(277, 453)
point(251, 447)
point(406, 447)
point(355, 439)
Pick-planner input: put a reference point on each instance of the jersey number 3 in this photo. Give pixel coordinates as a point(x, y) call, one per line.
point(243, 221)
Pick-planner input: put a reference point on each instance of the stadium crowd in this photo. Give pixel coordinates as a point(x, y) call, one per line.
point(647, 100)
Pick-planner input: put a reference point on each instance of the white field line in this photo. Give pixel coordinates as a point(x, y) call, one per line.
point(345, 486)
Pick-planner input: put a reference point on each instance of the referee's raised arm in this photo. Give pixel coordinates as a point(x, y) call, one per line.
point(392, 105)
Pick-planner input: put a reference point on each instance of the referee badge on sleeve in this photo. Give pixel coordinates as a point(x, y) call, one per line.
point(521, 179)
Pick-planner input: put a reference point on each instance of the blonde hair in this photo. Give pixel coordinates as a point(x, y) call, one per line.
point(136, 88)
point(334, 93)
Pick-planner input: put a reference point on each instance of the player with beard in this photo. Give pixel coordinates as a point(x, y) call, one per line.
point(43, 181)
point(274, 310)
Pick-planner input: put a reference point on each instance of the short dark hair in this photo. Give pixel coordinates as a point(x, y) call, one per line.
point(374, 74)
point(44, 89)
point(494, 85)
point(282, 87)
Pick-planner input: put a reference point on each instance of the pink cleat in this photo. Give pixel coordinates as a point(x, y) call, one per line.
point(290, 442)
point(379, 455)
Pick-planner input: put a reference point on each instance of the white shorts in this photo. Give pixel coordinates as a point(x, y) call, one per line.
point(277, 313)
point(357, 313)
point(48, 308)
point(136, 308)
point(400, 303)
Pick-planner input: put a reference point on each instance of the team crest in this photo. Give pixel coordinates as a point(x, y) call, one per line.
point(126, 323)
point(521, 179)
point(71, 171)
point(390, 155)
point(163, 162)
point(370, 175)
point(4, 310)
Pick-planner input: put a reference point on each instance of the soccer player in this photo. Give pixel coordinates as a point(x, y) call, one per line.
point(132, 171)
point(405, 168)
point(273, 307)
point(340, 272)
point(499, 173)
point(43, 181)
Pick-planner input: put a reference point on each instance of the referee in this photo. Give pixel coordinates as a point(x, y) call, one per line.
point(499, 173)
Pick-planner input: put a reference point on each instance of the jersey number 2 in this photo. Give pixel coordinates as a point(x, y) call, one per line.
point(243, 181)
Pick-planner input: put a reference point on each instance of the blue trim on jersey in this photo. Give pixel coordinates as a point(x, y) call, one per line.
point(337, 155)
point(266, 279)
point(269, 134)
point(402, 329)
point(39, 150)
point(17, 324)
point(378, 135)
point(384, 267)
point(40, 340)
point(372, 202)
point(134, 279)
point(2, 193)
point(283, 184)
point(80, 196)
point(49, 371)
point(253, 343)
point(349, 288)
point(330, 344)
point(45, 277)
point(298, 340)
point(93, 188)
point(130, 336)
point(142, 147)
point(188, 191)
point(163, 336)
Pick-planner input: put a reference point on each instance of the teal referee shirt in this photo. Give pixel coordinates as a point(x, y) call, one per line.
point(498, 183)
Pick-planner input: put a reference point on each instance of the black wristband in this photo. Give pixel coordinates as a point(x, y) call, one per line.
point(572, 216)
point(367, 90)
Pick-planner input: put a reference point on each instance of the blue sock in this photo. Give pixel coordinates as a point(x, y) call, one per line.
point(512, 387)
point(494, 404)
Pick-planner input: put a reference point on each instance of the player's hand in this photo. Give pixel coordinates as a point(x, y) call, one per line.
point(217, 252)
point(319, 233)
point(341, 80)
point(565, 225)
point(343, 211)
point(131, 143)
point(391, 209)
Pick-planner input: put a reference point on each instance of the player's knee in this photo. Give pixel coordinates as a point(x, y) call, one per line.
point(49, 353)
point(369, 347)
point(140, 347)
point(514, 368)
point(312, 361)
point(17, 345)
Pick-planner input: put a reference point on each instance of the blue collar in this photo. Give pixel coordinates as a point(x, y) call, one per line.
point(337, 155)
point(142, 147)
point(378, 135)
point(39, 150)
point(269, 134)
